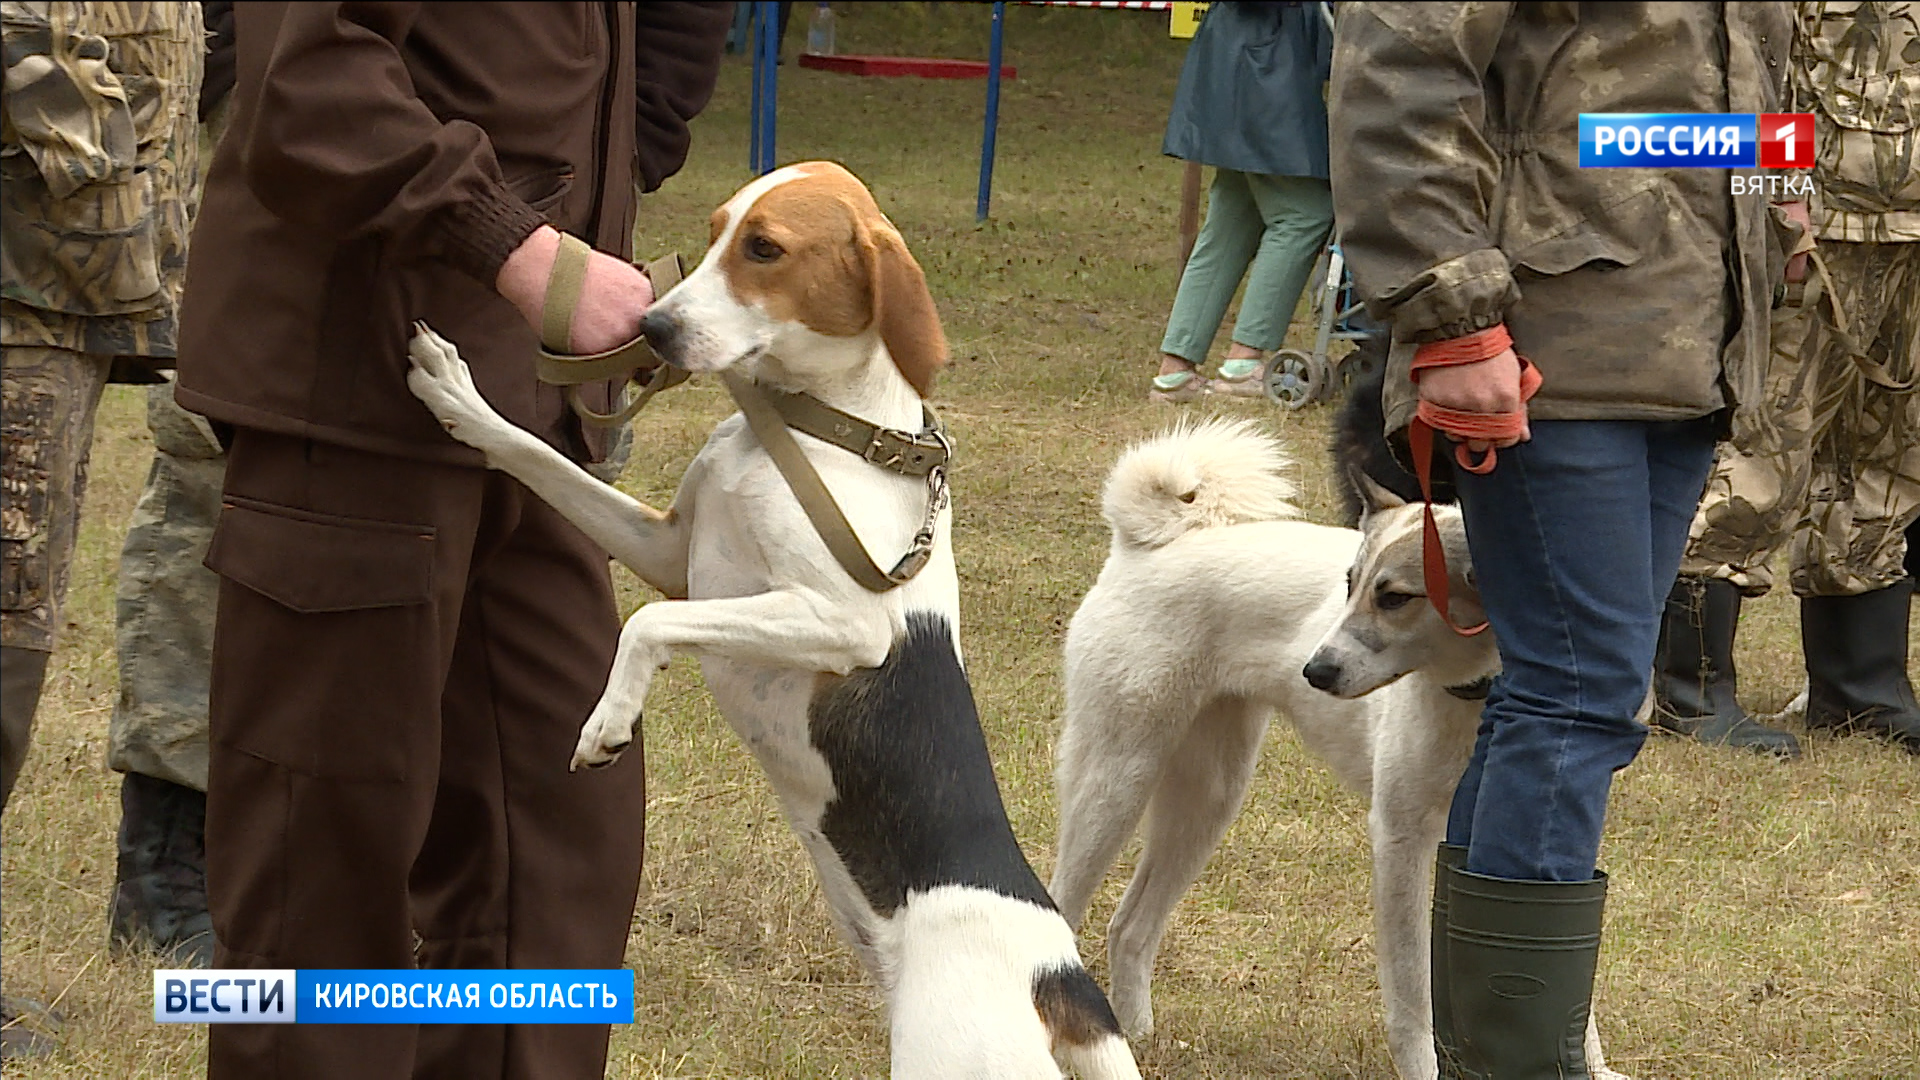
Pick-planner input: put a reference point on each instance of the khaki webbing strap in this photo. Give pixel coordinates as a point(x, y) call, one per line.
point(557, 367)
point(825, 514)
point(568, 274)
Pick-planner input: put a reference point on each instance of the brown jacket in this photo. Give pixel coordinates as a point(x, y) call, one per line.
point(383, 161)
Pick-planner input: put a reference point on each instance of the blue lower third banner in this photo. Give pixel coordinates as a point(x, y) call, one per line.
point(398, 996)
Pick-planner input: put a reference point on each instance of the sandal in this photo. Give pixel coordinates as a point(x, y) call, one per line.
point(1178, 386)
point(1242, 376)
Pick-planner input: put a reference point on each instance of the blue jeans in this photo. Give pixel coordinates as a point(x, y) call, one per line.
point(1576, 539)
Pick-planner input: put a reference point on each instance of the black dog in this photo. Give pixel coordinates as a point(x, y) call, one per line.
point(1361, 445)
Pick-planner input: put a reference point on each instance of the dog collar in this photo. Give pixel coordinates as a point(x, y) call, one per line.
point(910, 453)
point(1476, 690)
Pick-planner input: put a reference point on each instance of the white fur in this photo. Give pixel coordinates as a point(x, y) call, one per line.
point(763, 604)
point(1194, 635)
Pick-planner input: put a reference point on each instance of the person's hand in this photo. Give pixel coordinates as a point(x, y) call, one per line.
point(613, 295)
point(1797, 213)
point(1484, 386)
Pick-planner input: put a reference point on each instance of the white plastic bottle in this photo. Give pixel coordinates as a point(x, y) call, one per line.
point(820, 30)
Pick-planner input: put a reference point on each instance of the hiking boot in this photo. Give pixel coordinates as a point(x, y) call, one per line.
point(1177, 387)
point(27, 1029)
point(1856, 649)
point(1520, 962)
point(1694, 686)
point(160, 878)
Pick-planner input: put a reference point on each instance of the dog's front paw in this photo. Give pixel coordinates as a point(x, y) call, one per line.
point(443, 382)
point(603, 738)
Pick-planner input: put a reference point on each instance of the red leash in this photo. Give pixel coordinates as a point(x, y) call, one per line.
point(1473, 348)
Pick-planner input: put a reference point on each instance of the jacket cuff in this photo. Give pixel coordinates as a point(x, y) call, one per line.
point(477, 234)
point(1458, 297)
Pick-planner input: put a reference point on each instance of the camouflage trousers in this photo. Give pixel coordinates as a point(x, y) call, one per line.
point(1838, 482)
point(46, 429)
point(166, 600)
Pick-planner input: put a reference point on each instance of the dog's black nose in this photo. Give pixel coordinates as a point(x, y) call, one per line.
point(660, 329)
point(1321, 674)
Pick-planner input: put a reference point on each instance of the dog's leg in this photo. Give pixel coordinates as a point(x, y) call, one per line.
point(1197, 798)
point(650, 543)
point(1406, 826)
point(789, 628)
point(1596, 1058)
point(1112, 749)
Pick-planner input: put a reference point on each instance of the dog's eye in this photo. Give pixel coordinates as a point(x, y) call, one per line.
point(1187, 496)
point(1393, 601)
point(762, 250)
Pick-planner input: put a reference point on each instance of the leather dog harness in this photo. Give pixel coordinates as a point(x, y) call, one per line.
point(772, 414)
point(1473, 348)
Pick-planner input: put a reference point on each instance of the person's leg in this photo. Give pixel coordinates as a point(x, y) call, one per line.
point(1753, 497)
point(1574, 543)
point(50, 397)
point(1296, 214)
point(527, 864)
point(1226, 244)
point(1576, 537)
point(157, 735)
point(343, 580)
point(1849, 558)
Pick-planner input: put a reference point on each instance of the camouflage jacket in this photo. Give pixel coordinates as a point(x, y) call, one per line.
point(1641, 294)
point(101, 166)
point(1857, 69)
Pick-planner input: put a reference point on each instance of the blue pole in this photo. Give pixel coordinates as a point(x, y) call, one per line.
point(770, 61)
point(993, 111)
point(753, 99)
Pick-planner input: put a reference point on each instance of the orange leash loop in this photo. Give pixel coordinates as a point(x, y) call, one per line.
point(1428, 417)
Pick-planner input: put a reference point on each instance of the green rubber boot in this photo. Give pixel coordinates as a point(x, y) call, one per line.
point(1520, 962)
point(1446, 1046)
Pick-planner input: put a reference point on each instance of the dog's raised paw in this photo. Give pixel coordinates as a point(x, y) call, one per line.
point(601, 743)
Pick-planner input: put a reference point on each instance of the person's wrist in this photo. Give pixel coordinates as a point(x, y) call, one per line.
point(523, 276)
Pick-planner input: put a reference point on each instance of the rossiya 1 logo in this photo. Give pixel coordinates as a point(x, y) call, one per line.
point(1705, 141)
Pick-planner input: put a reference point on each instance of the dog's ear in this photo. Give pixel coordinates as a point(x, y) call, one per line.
point(903, 308)
point(1373, 496)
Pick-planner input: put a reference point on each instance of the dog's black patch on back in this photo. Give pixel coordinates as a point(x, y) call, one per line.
point(915, 804)
point(1072, 1006)
point(1360, 441)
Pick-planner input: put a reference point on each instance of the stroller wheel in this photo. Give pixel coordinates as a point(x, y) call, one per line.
point(1293, 379)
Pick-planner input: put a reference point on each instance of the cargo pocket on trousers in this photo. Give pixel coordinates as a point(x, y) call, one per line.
point(331, 667)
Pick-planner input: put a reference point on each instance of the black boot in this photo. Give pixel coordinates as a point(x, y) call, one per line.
point(1856, 649)
point(22, 673)
point(160, 883)
point(1693, 676)
point(1446, 1045)
point(1520, 962)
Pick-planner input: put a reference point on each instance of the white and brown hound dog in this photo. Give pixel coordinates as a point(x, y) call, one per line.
point(854, 701)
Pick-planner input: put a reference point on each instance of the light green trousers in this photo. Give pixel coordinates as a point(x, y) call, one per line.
point(1277, 225)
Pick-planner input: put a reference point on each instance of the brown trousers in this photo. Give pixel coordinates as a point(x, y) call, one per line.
point(403, 657)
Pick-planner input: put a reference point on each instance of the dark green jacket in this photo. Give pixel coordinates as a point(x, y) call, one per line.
point(1250, 95)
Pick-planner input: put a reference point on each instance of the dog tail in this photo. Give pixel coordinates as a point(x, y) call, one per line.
point(1198, 476)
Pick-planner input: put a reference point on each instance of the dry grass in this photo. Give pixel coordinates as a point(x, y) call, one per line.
point(1765, 920)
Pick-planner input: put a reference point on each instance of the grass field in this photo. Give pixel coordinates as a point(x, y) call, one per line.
point(1765, 917)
